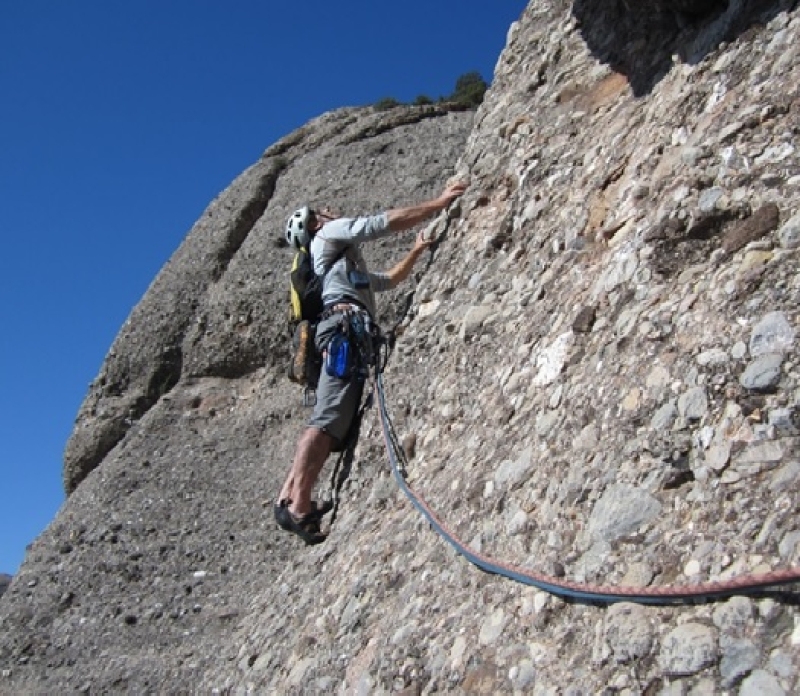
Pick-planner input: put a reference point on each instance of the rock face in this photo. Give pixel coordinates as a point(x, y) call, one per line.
point(597, 377)
point(217, 309)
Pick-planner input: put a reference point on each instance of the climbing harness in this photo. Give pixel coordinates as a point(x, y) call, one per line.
point(745, 584)
point(364, 342)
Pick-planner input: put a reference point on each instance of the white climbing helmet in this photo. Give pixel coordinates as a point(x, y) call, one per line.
point(297, 227)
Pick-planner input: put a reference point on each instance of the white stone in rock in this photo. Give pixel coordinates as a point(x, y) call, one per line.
point(692, 568)
point(550, 361)
point(474, 319)
point(492, 627)
point(457, 651)
point(555, 396)
point(427, 309)
point(705, 436)
point(795, 639)
point(638, 575)
point(511, 472)
point(739, 350)
point(713, 357)
point(773, 334)
point(587, 439)
point(518, 523)
point(657, 379)
point(540, 601)
point(730, 477)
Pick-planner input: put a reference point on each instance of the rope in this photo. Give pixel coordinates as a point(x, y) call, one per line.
point(672, 594)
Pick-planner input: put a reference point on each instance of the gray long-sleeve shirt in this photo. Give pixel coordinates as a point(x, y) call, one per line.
point(336, 253)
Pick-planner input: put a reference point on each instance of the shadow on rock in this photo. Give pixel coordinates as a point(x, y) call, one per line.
point(639, 39)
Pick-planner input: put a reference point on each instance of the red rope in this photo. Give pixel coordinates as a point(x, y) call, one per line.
point(743, 584)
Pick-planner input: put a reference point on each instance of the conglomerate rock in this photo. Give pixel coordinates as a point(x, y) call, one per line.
point(596, 377)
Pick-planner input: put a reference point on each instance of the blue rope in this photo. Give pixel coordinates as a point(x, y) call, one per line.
point(574, 591)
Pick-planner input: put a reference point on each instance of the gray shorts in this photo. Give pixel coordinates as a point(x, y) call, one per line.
point(338, 400)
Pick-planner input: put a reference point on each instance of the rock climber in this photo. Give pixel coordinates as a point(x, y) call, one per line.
point(349, 301)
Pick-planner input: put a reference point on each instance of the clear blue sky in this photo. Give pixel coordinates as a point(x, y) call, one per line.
point(119, 123)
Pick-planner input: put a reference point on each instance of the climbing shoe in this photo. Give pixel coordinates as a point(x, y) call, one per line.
point(306, 526)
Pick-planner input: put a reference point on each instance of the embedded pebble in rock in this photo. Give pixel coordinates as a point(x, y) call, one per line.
point(638, 575)
point(523, 676)
point(763, 373)
point(629, 631)
point(492, 627)
point(739, 658)
point(761, 683)
point(786, 477)
point(783, 419)
point(734, 615)
point(759, 456)
point(789, 234)
point(510, 473)
point(772, 334)
point(664, 417)
point(687, 649)
point(693, 404)
point(692, 568)
point(620, 511)
point(718, 455)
